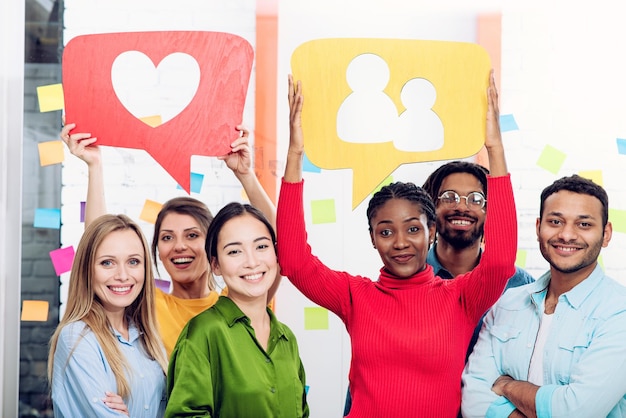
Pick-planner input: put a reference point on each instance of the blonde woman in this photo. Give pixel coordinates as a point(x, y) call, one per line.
point(106, 357)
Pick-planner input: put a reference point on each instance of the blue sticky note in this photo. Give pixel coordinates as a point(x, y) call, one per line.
point(621, 145)
point(507, 123)
point(196, 182)
point(307, 165)
point(306, 389)
point(47, 218)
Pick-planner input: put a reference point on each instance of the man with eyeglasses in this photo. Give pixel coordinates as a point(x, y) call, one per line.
point(459, 191)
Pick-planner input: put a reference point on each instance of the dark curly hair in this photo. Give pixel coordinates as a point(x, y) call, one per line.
point(400, 190)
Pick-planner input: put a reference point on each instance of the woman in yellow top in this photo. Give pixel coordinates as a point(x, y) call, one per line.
point(179, 232)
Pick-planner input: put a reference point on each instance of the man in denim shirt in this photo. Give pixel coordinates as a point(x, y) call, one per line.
point(556, 347)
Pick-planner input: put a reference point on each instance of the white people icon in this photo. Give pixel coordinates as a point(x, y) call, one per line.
point(368, 115)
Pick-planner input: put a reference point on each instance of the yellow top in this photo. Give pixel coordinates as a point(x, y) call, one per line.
point(173, 314)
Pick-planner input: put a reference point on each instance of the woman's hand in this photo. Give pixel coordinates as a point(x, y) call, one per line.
point(239, 158)
point(116, 403)
point(296, 137)
point(81, 145)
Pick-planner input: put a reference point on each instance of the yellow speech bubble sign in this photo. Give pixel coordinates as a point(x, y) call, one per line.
point(374, 104)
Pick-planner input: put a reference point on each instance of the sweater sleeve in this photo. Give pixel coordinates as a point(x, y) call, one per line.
point(322, 285)
point(481, 287)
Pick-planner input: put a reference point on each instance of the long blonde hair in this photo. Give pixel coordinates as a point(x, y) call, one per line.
point(84, 305)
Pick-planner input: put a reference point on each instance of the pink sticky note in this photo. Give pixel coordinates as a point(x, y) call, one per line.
point(62, 259)
point(164, 285)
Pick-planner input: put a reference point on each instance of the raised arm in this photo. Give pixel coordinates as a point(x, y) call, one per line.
point(293, 168)
point(82, 146)
point(493, 138)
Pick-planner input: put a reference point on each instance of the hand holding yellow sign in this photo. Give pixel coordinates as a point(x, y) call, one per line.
point(374, 104)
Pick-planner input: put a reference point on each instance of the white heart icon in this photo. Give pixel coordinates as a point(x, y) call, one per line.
point(155, 95)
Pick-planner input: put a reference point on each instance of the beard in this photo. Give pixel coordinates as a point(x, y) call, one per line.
point(459, 240)
point(590, 257)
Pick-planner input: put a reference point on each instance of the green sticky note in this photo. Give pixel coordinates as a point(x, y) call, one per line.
point(601, 262)
point(315, 318)
point(551, 159)
point(618, 219)
point(593, 175)
point(520, 258)
point(383, 183)
point(50, 97)
point(323, 211)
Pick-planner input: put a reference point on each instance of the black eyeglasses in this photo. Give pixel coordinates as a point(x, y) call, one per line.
point(474, 200)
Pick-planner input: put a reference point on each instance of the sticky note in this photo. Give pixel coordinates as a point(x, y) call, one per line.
point(47, 218)
point(618, 219)
point(383, 183)
point(601, 262)
point(520, 258)
point(323, 211)
point(50, 152)
point(507, 123)
point(621, 146)
point(62, 259)
point(152, 121)
point(306, 389)
point(50, 97)
point(244, 195)
point(82, 211)
point(196, 182)
point(308, 166)
point(551, 159)
point(35, 310)
point(164, 285)
point(593, 175)
point(315, 318)
point(150, 211)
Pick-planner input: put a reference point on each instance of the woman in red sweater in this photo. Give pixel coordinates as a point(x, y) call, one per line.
point(409, 329)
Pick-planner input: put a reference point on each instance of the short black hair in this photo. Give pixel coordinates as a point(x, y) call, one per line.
point(580, 185)
point(434, 180)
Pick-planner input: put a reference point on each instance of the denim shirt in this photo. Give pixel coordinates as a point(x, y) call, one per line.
point(82, 375)
point(520, 278)
point(584, 357)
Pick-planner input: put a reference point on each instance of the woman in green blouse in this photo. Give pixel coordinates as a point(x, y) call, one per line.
point(235, 359)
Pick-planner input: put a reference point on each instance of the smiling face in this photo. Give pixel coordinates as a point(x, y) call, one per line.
point(119, 270)
point(571, 235)
point(461, 226)
point(181, 248)
point(400, 234)
point(246, 258)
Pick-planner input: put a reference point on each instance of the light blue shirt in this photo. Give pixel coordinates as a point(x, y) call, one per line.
point(584, 358)
point(80, 382)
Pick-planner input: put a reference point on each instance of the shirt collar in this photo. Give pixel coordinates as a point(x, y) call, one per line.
point(438, 268)
point(231, 312)
point(574, 297)
point(133, 334)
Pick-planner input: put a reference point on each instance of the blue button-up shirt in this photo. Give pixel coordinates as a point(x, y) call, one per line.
point(584, 357)
point(520, 278)
point(82, 376)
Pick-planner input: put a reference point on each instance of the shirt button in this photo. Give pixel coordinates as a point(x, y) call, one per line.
point(273, 390)
point(146, 407)
point(94, 400)
point(267, 360)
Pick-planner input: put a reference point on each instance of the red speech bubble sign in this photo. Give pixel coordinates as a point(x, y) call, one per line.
point(106, 92)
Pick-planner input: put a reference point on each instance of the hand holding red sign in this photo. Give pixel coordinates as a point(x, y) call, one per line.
point(174, 94)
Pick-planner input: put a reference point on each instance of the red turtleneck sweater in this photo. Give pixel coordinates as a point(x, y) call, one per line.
point(408, 336)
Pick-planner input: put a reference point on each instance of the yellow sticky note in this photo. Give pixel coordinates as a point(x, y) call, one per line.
point(35, 310)
point(150, 211)
point(593, 175)
point(152, 121)
point(315, 318)
point(618, 219)
point(601, 262)
point(244, 196)
point(51, 152)
point(323, 211)
point(50, 97)
point(551, 159)
point(520, 258)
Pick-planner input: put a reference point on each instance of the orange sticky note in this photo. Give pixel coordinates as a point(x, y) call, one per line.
point(35, 310)
point(51, 152)
point(150, 211)
point(152, 121)
point(50, 97)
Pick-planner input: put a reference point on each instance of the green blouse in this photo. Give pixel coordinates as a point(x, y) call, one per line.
point(218, 369)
